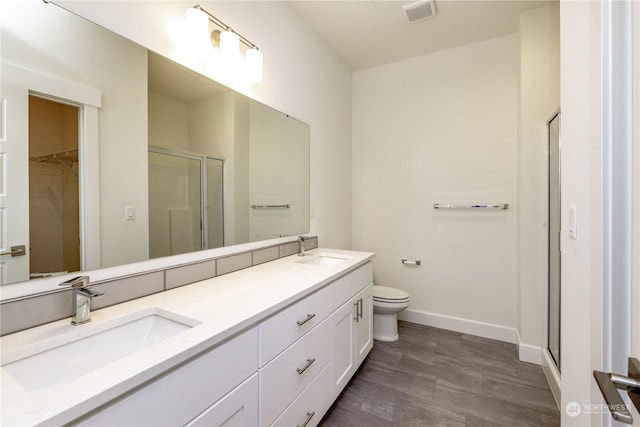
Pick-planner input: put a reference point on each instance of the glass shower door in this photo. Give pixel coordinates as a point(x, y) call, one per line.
point(175, 205)
point(186, 202)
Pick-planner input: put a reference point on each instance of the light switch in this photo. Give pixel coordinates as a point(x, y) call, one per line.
point(130, 213)
point(573, 225)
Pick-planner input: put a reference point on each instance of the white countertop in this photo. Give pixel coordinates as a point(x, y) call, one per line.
point(224, 305)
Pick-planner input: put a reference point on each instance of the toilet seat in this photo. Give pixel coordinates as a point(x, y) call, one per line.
point(389, 295)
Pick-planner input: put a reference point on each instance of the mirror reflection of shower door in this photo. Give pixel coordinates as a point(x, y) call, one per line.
point(553, 343)
point(185, 202)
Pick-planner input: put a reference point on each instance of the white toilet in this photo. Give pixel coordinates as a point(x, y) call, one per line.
point(387, 303)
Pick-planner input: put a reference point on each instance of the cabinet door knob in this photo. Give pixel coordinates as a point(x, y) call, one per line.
point(304, 368)
point(309, 416)
point(309, 317)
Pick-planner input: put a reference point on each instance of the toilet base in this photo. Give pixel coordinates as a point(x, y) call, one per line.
point(385, 327)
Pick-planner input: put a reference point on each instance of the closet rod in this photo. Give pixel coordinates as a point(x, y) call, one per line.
point(287, 206)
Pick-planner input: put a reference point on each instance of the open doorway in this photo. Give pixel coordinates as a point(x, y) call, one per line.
point(54, 202)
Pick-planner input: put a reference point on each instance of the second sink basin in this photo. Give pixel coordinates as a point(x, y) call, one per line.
point(325, 260)
point(45, 364)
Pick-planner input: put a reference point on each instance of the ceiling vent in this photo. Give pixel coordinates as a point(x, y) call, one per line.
point(419, 10)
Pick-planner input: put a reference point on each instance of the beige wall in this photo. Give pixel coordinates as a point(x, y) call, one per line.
point(441, 128)
point(539, 87)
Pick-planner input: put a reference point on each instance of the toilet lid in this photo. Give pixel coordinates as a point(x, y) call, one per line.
point(385, 293)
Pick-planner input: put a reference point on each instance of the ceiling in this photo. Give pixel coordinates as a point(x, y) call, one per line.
point(370, 33)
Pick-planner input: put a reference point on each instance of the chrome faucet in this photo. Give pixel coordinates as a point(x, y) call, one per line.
point(301, 240)
point(82, 295)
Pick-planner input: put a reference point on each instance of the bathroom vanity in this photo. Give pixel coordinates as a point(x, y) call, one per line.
point(273, 344)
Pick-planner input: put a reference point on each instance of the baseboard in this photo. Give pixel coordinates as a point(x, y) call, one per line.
point(529, 353)
point(458, 324)
point(553, 376)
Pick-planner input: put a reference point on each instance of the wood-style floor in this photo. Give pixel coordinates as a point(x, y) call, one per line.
point(434, 377)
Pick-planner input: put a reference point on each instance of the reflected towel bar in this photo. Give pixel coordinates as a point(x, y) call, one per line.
point(475, 206)
point(287, 206)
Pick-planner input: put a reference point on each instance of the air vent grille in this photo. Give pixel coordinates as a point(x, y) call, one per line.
point(419, 10)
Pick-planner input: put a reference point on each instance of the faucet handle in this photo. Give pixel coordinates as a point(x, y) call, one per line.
point(77, 282)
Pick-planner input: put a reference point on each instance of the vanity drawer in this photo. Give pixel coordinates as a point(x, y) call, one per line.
point(286, 376)
point(176, 398)
point(312, 403)
point(350, 284)
point(280, 331)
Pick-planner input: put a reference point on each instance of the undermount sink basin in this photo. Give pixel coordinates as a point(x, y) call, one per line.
point(325, 260)
point(60, 359)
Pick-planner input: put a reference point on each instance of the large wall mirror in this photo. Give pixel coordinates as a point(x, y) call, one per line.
point(126, 156)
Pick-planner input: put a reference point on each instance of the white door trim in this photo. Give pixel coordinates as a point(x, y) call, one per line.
point(91, 101)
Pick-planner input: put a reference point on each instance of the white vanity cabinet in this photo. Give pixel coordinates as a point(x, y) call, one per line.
point(237, 409)
point(180, 396)
point(287, 376)
point(351, 333)
point(284, 328)
point(294, 352)
point(309, 407)
point(286, 370)
point(298, 346)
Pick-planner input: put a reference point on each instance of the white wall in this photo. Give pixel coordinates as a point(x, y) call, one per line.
point(582, 259)
point(302, 77)
point(539, 43)
point(441, 128)
point(273, 178)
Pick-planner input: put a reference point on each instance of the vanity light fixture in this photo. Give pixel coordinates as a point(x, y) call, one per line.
point(226, 40)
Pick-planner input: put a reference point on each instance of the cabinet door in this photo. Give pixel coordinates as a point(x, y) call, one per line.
point(342, 351)
point(363, 324)
point(239, 408)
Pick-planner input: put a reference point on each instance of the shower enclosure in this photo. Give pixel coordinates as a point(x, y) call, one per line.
point(186, 211)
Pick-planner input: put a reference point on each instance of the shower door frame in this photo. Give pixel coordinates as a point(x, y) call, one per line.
point(550, 251)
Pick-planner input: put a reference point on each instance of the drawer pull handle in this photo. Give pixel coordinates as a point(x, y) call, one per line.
point(309, 317)
point(309, 416)
point(304, 368)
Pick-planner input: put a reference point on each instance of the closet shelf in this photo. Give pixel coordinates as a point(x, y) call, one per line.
point(65, 155)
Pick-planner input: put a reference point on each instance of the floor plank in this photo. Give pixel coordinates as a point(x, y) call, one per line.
point(434, 377)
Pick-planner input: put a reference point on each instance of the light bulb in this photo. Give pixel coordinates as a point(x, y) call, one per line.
point(253, 64)
point(198, 27)
point(229, 46)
